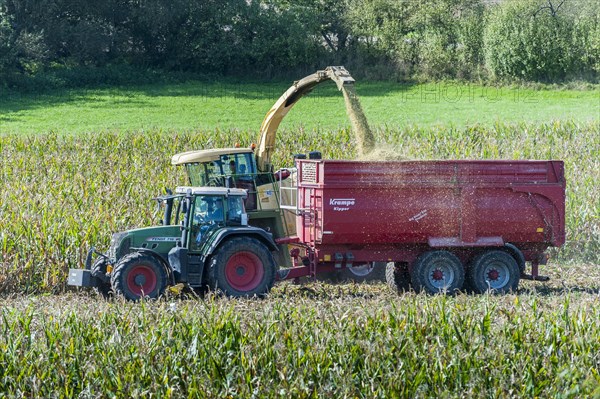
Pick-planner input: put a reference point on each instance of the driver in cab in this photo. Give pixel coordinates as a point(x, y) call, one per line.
point(213, 214)
point(215, 210)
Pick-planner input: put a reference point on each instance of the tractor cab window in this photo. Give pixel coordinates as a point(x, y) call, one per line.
point(238, 165)
point(228, 168)
point(209, 209)
point(235, 209)
point(208, 213)
point(203, 174)
point(241, 173)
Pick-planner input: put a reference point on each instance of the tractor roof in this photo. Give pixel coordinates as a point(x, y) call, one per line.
point(205, 155)
point(211, 191)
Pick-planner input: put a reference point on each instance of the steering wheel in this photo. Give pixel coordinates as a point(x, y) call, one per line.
point(199, 219)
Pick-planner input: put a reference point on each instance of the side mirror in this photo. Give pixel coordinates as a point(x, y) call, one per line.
point(244, 219)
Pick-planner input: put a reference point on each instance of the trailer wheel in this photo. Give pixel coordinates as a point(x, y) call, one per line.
point(242, 267)
point(373, 271)
point(494, 270)
point(99, 271)
point(438, 272)
point(138, 275)
point(397, 277)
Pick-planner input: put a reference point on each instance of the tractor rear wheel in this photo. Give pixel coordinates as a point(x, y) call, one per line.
point(494, 270)
point(139, 275)
point(242, 267)
point(438, 272)
point(99, 271)
point(397, 277)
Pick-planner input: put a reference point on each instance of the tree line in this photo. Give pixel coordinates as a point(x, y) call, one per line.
point(531, 40)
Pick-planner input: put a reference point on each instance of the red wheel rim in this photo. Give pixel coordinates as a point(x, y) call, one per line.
point(437, 275)
point(493, 274)
point(244, 271)
point(141, 280)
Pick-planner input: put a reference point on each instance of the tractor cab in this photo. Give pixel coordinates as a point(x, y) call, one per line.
point(222, 167)
point(237, 168)
point(227, 167)
point(233, 168)
point(207, 209)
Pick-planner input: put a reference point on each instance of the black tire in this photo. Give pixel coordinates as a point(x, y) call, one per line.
point(494, 270)
point(139, 275)
point(438, 272)
point(99, 271)
point(358, 274)
point(374, 271)
point(242, 267)
point(397, 277)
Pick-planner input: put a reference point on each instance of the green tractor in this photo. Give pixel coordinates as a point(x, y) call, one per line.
point(209, 244)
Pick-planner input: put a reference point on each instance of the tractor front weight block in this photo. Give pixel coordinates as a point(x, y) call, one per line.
point(82, 278)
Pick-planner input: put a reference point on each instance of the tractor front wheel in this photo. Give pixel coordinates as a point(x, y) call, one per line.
point(139, 275)
point(99, 271)
point(242, 267)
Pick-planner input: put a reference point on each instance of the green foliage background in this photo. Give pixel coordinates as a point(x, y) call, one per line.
point(536, 40)
point(523, 40)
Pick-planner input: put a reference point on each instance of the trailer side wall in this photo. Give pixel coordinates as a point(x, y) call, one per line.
point(433, 203)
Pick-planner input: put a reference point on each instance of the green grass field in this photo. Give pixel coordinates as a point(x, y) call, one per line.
point(108, 153)
point(225, 106)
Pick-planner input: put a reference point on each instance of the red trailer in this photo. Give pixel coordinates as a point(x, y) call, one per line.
point(439, 223)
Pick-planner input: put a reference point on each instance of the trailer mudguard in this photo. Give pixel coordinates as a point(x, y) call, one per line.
point(517, 254)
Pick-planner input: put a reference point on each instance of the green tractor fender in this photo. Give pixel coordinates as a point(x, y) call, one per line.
point(189, 267)
point(164, 262)
point(253, 232)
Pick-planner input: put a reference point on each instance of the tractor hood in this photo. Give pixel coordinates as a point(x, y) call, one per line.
point(157, 238)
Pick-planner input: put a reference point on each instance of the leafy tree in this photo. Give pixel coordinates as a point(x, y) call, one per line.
point(21, 49)
point(429, 38)
point(530, 40)
point(6, 40)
